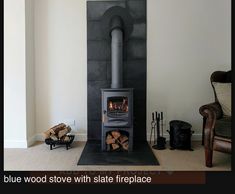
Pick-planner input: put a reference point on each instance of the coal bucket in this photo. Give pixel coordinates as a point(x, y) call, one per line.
point(180, 135)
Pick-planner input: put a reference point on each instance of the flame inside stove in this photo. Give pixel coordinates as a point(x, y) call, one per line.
point(120, 105)
point(110, 105)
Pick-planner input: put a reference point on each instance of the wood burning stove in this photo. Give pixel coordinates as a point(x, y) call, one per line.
point(117, 115)
point(117, 102)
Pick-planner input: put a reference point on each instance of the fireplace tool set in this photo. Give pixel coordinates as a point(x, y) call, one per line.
point(156, 126)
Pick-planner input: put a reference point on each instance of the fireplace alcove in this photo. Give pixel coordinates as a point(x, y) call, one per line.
point(129, 119)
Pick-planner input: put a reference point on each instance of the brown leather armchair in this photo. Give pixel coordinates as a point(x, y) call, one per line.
point(216, 131)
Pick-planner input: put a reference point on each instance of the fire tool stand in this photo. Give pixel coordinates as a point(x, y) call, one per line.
point(161, 141)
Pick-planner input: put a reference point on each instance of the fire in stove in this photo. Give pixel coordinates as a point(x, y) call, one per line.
point(118, 104)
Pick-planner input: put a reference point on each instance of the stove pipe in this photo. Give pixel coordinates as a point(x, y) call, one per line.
point(117, 52)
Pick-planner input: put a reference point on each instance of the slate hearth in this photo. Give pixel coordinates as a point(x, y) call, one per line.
point(141, 155)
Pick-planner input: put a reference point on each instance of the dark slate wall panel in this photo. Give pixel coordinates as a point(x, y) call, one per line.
point(98, 50)
point(94, 31)
point(136, 49)
point(94, 130)
point(139, 31)
point(95, 10)
point(137, 9)
point(130, 72)
point(99, 64)
point(97, 70)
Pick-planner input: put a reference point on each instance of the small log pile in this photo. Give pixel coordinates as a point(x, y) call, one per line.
point(58, 133)
point(116, 141)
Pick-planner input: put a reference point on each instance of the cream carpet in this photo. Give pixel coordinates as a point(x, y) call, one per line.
point(40, 158)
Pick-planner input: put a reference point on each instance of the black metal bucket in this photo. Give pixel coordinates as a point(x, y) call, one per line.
point(180, 135)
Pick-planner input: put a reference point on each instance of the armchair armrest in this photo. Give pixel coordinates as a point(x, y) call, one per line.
point(207, 109)
point(211, 112)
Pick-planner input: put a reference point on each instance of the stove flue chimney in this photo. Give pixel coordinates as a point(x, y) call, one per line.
point(117, 52)
point(117, 25)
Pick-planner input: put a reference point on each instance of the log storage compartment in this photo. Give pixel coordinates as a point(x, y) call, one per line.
point(117, 141)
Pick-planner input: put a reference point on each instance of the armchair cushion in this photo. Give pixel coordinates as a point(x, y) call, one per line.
point(223, 93)
point(223, 127)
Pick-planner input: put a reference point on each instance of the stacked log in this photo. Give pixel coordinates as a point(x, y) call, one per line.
point(58, 132)
point(117, 141)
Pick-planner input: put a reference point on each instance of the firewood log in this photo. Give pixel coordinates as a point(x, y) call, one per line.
point(115, 146)
point(64, 131)
point(122, 139)
point(110, 141)
point(46, 134)
point(57, 128)
point(125, 146)
point(109, 136)
point(54, 137)
point(65, 138)
point(116, 134)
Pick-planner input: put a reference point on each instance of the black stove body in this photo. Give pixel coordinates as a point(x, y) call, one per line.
point(117, 114)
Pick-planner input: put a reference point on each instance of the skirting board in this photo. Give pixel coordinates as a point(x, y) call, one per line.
point(15, 144)
point(19, 143)
point(83, 137)
point(80, 137)
point(195, 137)
point(33, 139)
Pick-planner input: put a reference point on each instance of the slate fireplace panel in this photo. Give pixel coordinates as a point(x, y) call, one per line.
point(99, 64)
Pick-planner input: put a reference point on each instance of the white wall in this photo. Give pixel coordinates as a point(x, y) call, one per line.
point(14, 74)
point(187, 41)
point(30, 71)
point(61, 64)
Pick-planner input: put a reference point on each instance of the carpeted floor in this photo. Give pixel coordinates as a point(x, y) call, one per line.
point(39, 157)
